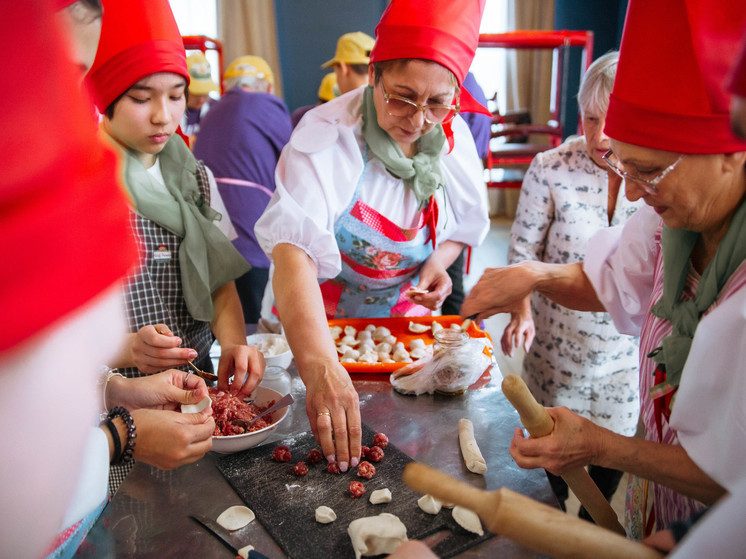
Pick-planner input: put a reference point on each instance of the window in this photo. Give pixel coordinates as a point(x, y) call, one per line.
point(199, 17)
point(489, 66)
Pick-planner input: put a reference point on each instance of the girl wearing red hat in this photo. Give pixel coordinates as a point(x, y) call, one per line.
point(182, 296)
point(676, 277)
point(370, 203)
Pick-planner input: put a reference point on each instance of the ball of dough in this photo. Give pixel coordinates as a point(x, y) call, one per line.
point(325, 515)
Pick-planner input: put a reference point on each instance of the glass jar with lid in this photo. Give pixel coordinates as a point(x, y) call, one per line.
point(447, 354)
point(277, 378)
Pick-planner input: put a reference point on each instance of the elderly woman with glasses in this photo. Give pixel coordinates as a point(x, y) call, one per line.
point(674, 275)
point(377, 193)
point(577, 359)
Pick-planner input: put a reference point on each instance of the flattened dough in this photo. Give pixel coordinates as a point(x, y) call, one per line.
point(469, 449)
point(236, 517)
point(380, 496)
point(468, 520)
point(429, 504)
point(325, 515)
point(204, 403)
point(244, 551)
point(375, 535)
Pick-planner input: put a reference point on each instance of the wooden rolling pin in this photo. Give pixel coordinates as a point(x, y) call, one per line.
point(528, 522)
point(539, 423)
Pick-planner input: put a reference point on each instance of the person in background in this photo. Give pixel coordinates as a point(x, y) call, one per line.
point(479, 126)
point(674, 275)
point(328, 90)
point(240, 141)
point(577, 359)
point(67, 247)
point(350, 62)
point(370, 202)
point(182, 295)
point(199, 101)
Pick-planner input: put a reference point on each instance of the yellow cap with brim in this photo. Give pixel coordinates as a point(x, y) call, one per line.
point(352, 48)
point(326, 89)
point(250, 66)
point(200, 75)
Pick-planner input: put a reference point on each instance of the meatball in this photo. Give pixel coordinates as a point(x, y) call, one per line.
point(375, 454)
point(332, 468)
point(314, 456)
point(381, 440)
point(366, 470)
point(356, 489)
point(300, 469)
point(281, 454)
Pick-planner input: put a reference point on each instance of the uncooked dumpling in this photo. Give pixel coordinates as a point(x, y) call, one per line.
point(429, 504)
point(468, 520)
point(418, 328)
point(380, 496)
point(234, 518)
point(375, 535)
point(325, 515)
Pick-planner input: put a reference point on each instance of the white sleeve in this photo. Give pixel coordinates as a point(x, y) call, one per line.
point(533, 216)
point(620, 263)
point(217, 204)
point(466, 206)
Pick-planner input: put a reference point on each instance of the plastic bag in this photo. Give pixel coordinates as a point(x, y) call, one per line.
point(446, 371)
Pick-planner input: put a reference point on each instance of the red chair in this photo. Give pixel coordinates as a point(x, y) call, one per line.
point(203, 43)
point(512, 143)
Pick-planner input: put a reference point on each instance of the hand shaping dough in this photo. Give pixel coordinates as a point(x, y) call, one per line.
point(380, 496)
point(469, 449)
point(468, 520)
point(205, 402)
point(234, 518)
point(325, 515)
point(375, 535)
point(429, 504)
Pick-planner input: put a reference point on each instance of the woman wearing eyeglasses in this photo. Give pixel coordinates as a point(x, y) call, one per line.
point(370, 202)
point(674, 275)
point(576, 359)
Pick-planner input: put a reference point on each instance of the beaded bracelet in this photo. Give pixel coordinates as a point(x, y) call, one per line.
point(129, 447)
point(115, 437)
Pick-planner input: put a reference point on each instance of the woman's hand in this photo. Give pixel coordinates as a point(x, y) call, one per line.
point(242, 362)
point(499, 290)
point(438, 284)
point(333, 409)
point(169, 439)
point(162, 391)
point(154, 348)
point(520, 330)
point(573, 443)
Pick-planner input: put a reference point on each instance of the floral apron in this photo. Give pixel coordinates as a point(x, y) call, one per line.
point(380, 261)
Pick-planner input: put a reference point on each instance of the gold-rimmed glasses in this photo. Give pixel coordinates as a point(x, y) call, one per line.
point(432, 113)
point(649, 185)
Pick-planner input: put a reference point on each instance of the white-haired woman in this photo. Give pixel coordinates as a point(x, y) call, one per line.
point(577, 359)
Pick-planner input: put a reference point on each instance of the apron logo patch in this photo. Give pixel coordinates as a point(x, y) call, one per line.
point(162, 254)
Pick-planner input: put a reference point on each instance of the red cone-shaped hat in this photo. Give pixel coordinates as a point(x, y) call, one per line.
point(669, 92)
point(443, 31)
point(138, 38)
point(737, 81)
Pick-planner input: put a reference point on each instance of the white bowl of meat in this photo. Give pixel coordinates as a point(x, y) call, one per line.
point(230, 412)
point(274, 347)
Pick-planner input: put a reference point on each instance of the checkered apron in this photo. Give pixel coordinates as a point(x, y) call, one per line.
point(153, 295)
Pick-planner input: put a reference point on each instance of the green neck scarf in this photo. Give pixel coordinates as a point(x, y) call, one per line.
point(420, 173)
point(207, 259)
point(677, 246)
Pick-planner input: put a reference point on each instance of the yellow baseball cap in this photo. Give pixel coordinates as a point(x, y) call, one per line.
point(250, 66)
point(326, 89)
point(200, 75)
point(352, 48)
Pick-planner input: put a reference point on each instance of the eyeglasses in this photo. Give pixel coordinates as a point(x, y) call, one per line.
point(649, 185)
point(432, 113)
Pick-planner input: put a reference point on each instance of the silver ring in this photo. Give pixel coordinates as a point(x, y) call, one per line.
point(186, 377)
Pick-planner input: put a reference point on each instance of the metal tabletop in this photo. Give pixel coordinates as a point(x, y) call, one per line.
point(149, 515)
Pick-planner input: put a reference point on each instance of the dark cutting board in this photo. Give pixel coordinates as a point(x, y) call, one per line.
point(285, 504)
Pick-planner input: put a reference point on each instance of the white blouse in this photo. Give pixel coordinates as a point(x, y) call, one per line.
point(322, 166)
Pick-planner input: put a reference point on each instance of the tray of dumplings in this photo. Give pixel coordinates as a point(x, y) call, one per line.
point(383, 345)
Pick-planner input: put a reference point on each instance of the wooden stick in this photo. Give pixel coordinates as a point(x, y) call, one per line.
point(539, 423)
point(526, 521)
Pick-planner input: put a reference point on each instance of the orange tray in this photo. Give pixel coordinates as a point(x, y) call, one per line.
point(399, 329)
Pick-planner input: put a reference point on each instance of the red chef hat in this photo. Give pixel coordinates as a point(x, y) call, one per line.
point(443, 31)
point(138, 38)
point(737, 81)
point(669, 92)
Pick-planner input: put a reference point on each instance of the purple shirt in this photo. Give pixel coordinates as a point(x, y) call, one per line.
point(479, 124)
point(240, 140)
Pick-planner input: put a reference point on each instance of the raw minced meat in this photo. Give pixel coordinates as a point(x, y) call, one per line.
point(226, 408)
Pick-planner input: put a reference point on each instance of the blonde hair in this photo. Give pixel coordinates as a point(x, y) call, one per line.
point(597, 83)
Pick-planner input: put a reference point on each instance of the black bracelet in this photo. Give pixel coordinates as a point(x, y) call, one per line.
point(129, 447)
point(115, 436)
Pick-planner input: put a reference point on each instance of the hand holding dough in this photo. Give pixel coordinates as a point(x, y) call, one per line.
point(469, 449)
point(375, 535)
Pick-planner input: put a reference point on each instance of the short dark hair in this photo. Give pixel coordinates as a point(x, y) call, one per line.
point(359, 69)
